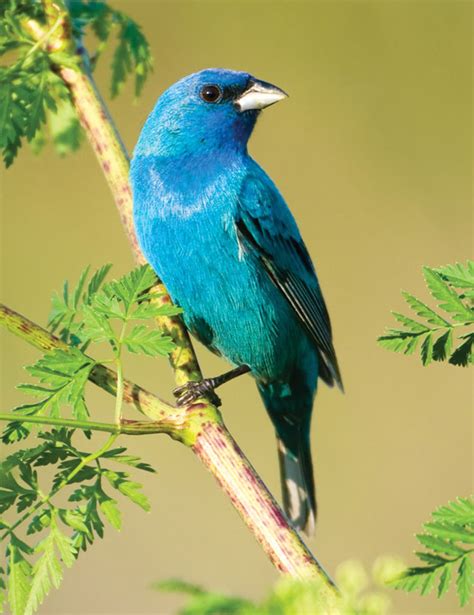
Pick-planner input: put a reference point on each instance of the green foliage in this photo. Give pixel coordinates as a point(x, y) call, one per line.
point(30, 89)
point(97, 312)
point(91, 312)
point(35, 104)
point(453, 288)
point(291, 596)
point(65, 373)
point(449, 538)
point(60, 533)
point(132, 52)
point(88, 313)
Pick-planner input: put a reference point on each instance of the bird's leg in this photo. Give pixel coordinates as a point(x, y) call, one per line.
point(189, 392)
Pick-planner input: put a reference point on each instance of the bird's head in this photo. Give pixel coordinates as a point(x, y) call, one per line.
point(213, 110)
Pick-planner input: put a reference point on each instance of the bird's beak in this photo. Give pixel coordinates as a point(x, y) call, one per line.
point(258, 95)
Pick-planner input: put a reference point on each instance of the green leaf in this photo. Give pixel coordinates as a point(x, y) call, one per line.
point(111, 511)
point(463, 354)
point(66, 372)
point(410, 324)
point(12, 491)
point(36, 114)
point(148, 341)
point(203, 602)
point(147, 310)
point(7, 498)
point(443, 345)
point(47, 571)
point(19, 578)
point(91, 495)
point(437, 347)
point(130, 460)
point(96, 326)
point(427, 350)
point(121, 67)
point(131, 286)
point(39, 522)
point(96, 282)
point(77, 292)
point(399, 341)
point(451, 531)
point(412, 579)
point(108, 306)
point(445, 579)
point(179, 586)
point(64, 546)
point(76, 519)
point(132, 491)
point(25, 97)
point(459, 511)
point(428, 582)
point(451, 527)
point(128, 488)
point(458, 275)
point(431, 558)
point(132, 55)
point(424, 311)
point(439, 545)
point(449, 299)
point(66, 308)
point(10, 133)
point(465, 580)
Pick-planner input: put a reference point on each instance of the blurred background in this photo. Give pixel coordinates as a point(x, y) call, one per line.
point(373, 153)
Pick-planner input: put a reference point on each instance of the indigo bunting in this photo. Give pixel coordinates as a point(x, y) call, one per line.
point(218, 233)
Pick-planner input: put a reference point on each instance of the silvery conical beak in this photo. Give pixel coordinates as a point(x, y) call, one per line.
point(258, 95)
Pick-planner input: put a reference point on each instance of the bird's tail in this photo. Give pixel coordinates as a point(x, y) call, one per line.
point(297, 484)
point(291, 416)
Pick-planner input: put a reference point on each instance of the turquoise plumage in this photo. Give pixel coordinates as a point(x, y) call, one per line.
point(219, 234)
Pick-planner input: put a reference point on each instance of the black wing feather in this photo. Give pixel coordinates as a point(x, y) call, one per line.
point(308, 303)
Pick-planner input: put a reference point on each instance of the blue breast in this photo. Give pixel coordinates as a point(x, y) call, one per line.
point(186, 229)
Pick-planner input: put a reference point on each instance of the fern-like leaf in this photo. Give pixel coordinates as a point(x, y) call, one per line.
point(450, 538)
point(453, 288)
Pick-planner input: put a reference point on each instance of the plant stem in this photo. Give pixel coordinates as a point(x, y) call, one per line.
point(41, 42)
point(130, 428)
point(201, 427)
point(222, 456)
point(118, 363)
point(171, 418)
point(119, 393)
point(85, 460)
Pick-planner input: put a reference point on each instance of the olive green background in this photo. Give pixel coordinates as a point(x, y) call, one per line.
point(373, 153)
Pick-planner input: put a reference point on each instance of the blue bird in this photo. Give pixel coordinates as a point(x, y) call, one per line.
point(216, 230)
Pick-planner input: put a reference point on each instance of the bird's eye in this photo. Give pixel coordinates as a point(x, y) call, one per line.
point(211, 93)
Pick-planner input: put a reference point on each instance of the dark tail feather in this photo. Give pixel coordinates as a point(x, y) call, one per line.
point(297, 484)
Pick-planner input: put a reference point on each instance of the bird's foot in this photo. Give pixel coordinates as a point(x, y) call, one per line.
point(191, 391)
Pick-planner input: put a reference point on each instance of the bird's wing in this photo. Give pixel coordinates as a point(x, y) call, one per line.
point(266, 227)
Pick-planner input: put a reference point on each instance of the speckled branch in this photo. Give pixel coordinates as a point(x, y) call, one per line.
point(200, 426)
point(166, 418)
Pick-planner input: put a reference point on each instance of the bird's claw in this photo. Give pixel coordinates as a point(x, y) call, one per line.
point(191, 391)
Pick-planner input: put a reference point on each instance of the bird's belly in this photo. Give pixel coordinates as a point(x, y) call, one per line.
point(229, 301)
